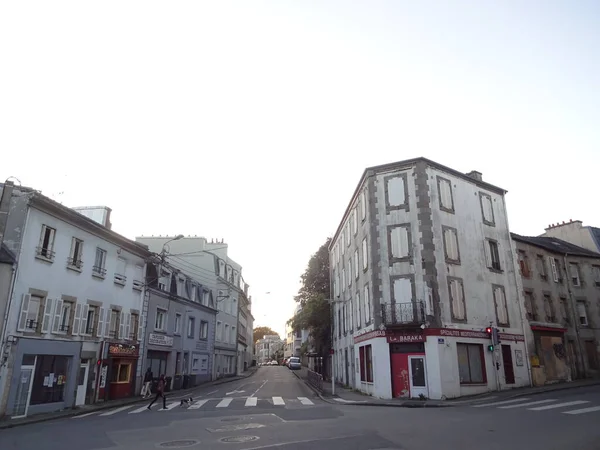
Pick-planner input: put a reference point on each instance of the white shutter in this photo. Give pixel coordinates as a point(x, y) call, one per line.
point(399, 239)
point(84, 314)
point(356, 264)
point(76, 320)
point(554, 268)
point(365, 254)
point(140, 327)
point(24, 310)
point(121, 324)
point(364, 205)
point(107, 319)
point(127, 325)
point(500, 305)
point(47, 316)
point(57, 310)
point(458, 301)
point(358, 314)
point(367, 301)
point(402, 290)
point(100, 329)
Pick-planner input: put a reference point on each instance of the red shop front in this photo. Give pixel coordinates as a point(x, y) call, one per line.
point(119, 367)
point(407, 361)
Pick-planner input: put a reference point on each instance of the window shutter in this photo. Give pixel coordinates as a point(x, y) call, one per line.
point(84, 313)
point(107, 319)
point(24, 310)
point(121, 325)
point(554, 268)
point(47, 316)
point(76, 320)
point(127, 325)
point(140, 327)
point(100, 329)
point(57, 311)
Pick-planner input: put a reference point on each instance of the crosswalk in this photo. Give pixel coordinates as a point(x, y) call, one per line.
point(206, 403)
point(571, 407)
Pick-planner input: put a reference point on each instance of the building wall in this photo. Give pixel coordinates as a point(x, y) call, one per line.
point(6, 271)
point(575, 233)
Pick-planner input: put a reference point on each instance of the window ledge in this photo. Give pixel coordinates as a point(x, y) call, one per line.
point(156, 330)
point(43, 258)
point(74, 268)
point(473, 384)
point(491, 269)
point(99, 276)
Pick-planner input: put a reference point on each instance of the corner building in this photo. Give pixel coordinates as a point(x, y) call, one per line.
point(421, 263)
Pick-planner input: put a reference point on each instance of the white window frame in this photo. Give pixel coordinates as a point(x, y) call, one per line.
point(367, 304)
point(501, 305)
point(48, 251)
point(451, 247)
point(575, 274)
point(177, 330)
point(162, 314)
point(203, 329)
point(457, 299)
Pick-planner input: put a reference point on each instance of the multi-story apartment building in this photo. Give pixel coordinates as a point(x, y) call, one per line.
point(209, 264)
point(574, 232)
point(561, 288)
point(421, 264)
point(245, 329)
point(73, 314)
point(267, 347)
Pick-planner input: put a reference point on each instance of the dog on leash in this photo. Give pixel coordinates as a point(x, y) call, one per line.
point(186, 402)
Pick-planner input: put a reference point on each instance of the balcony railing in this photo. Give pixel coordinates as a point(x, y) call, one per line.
point(44, 252)
point(399, 314)
point(74, 262)
point(99, 270)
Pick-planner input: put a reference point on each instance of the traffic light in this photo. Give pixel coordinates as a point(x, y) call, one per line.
point(491, 347)
point(488, 330)
point(495, 336)
point(490, 333)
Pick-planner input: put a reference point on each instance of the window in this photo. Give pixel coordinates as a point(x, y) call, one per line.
point(363, 204)
point(493, 255)
point(177, 323)
point(501, 307)
point(219, 332)
point(541, 267)
point(44, 388)
point(354, 221)
point(365, 254)
point(161, 320)
point(564, 310)
point(451, 245)
point(191, 327)
point(121, 373)
point(74, 259)
point(574, 271)
point(445, 193)
point(30, 310)
point(358, 307)
point(90, 321)
point(457, 299)
point(347, 232)
point(582, 312)
point(114, 323)
point(366, 363)
point(471, 364)
point(99, 267)
point(555, 266)
point(399, 242)
point(395, 191)
point(203, 329)
point(233, 335)
point(63, 317)
point(343, 279)
point(226, 334)
point(356, 264)
point(549, 308)
point(524, 264)
point(530, 306)
point(120, 277)
point(487, 210)
point(135, 332)
point(596, 275)
point(234, 307)
point(46, 247)
point(349, 272)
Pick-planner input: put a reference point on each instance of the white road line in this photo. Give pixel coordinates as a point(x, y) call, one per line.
point(278, 401)
point(251, 401)
point(583, 411)
point(305, 401)
point(224, 403)
point(84, 415)
point(199, 404)
point(559, 405)
point(114, 411)
point(170, 406)
point(505, 402)
point(139, 410)
point(520, 405)
point(259, 388)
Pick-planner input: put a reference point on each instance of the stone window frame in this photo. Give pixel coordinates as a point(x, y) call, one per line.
point(446, 258)
point(410, 255)
point(449, 279)
point(439, 191)
point(405, 205)
point(487, 222)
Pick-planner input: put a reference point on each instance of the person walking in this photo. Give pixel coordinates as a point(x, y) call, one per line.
point(146, 391)
point(160, 392)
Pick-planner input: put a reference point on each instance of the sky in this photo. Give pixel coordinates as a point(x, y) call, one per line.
point(253, 121)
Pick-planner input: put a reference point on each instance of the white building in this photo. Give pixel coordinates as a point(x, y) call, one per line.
point(74, 318)
point(574, 232)
point(267, 347)
point(209, 263)
point(421, 263)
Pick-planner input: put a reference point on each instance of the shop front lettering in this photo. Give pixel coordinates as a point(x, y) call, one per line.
point(124, 350)
point(405, 338)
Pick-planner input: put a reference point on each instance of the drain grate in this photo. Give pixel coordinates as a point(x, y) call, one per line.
point(239, 439)
point(178, 444)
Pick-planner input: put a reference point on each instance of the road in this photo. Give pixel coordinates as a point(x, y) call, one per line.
point(273, 409)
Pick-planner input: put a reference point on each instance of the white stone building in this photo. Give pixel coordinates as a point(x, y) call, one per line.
point(267, 347)
point(421, 263)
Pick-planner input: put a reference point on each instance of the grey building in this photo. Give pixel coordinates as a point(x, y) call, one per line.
point(574, 232)
point(180, 327)
point(561, 288)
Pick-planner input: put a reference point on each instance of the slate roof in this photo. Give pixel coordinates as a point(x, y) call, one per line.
point(555, 245)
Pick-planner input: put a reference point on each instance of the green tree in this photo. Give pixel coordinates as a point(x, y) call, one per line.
point(315, 315)
point(261, 332)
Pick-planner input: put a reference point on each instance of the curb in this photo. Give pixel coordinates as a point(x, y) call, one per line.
point(316, 391)
point(101, 407)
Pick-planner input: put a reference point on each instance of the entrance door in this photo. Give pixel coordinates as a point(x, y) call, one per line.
point(82, 380)
point(509, 372)
point(25, 382)
point(418, 378)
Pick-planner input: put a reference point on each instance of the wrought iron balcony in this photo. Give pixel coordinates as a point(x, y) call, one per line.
point(403, 314)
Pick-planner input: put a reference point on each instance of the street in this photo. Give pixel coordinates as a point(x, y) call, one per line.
point(274, 408)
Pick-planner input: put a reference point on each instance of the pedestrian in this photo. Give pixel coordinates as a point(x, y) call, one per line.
point(146, 390)
point(160, 392)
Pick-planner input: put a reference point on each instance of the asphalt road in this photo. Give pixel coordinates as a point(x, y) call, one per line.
point(273, 409)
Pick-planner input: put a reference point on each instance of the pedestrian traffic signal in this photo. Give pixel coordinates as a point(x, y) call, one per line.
point(491, 347)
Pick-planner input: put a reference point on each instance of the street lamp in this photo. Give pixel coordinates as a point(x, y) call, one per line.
point(176, 238)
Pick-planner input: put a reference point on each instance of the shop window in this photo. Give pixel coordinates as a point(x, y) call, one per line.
point(121, 372)
point(50, 379)
point(471, 364)
point(366, 363)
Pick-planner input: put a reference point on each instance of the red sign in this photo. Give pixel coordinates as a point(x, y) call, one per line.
point(117, 350)
point(369, 335)
point(403, 338)
point(420, 335)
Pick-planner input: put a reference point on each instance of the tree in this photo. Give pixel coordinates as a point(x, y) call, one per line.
point(261, 332)
point(315, 315)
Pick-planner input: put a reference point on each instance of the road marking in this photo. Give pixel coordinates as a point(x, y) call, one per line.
point(198, 404)
point(305, 401)
point(259, 388)
point(212, 392)
point(559, 405)
point(139, 410)
point(505, 402)
point(583, 411)
point(224, 403)
point(84, 415)
point(114, 411)
point(251, 401)
point(170, 406)
point(278, 401)
point(520, 405)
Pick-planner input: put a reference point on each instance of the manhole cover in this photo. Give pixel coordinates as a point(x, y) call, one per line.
point(178, 444)
point(239, 439)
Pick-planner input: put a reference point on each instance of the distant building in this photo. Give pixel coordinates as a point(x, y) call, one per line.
point(267, 347)
point(574, 232)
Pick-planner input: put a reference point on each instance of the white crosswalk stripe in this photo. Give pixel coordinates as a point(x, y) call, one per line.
point(548, 404)
point(198, 404)
point(251, 401)
point(278, 401)
point(225, 402)
point(305, 401)
point(114, 411)
point(505, 402)
point(521, 405)
point(559, 405)
point(583, 411)
point(170, 406)
point(139, 410)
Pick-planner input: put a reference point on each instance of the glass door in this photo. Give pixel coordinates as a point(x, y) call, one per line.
point(25, 382)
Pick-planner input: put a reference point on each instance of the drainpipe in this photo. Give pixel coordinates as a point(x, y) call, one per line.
point(575, 314)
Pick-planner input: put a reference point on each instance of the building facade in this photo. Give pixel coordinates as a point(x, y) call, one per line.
point(245, 330)
point(421, 264)
point(267, 348)
point(74, 321)
point(574, 232)
point(561, 289)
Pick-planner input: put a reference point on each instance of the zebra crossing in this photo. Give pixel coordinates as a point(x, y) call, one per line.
point(206, 404)
point(571, 407)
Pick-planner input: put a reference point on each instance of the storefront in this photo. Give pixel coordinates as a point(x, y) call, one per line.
point(117, 375)
point(159, 356)
point(549, 361)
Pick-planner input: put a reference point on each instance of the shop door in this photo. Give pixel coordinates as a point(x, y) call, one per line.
point(82, 380)
point(24, 385)
point(400, 382)
point(418, 378)
point(507, 362)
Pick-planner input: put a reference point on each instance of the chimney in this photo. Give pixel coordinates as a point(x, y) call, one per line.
point(7, 191)
point(475, 175)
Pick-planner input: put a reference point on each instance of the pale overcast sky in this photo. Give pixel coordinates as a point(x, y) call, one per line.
point(253, 121)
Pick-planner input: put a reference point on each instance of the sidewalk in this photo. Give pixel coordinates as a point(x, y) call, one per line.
point(348, 396)
point(86, 409)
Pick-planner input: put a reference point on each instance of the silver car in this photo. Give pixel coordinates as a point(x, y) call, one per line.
point(294, 363)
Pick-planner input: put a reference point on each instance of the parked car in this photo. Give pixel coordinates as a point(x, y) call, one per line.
point(294, 363)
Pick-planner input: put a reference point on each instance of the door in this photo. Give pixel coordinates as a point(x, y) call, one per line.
point(25, 382)
point(400, 381)
point(82, 380)
point(418, 378)
point(507, 362)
